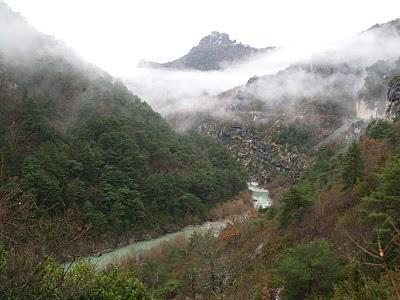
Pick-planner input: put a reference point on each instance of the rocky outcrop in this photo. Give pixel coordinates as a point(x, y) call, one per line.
point(328, 96)
point(258, 152)
point(371, 97)
point(324, 83)
point(212, 52)
point(393, 98)
point(349, 132)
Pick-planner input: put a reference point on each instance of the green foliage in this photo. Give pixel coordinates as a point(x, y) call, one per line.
point(47, 279)
point(358, 286)
point(380, 129)
point(353, 166)
point(109, 158)
point(308, 269)
point(168, 290)
point(296, 135)
point(321, 174)
point(88, 154)
point(34, 121)
point(295, 206)
point(116, 284)
point(382, 208)
point(40, 183)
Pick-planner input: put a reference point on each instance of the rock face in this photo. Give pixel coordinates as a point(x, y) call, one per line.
point(263, 119)
point(210, 54)
point(331, 97)
point(256, 150)
point(349, 132)
point(393, 97)
point(373, 92)
point(332, 84)
point(264, 127)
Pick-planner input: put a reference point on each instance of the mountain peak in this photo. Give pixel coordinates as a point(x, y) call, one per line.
point(211, 53)
point(216, 38)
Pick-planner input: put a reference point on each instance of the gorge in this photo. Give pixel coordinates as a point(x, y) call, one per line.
point(230, 172)
point(261, 200)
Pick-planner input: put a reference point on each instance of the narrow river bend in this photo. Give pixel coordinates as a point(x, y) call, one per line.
point(261, 200)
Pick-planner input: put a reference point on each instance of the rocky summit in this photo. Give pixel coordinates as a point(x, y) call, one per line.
point(213, 52)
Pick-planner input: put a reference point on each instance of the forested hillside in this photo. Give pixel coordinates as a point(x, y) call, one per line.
point(87, 167)
point(78, 140)
point(82, 158)
point(333, 235)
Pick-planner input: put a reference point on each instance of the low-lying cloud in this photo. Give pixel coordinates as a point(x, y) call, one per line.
point(175, 91)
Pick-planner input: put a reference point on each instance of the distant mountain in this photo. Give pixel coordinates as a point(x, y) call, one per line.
point(388, 27)
point(276, 118)
point(210, 54)
point(356, 82)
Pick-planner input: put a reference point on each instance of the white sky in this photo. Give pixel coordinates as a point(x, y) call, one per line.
point(116, 34)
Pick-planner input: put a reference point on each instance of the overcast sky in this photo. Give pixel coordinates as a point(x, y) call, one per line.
point(116, 34)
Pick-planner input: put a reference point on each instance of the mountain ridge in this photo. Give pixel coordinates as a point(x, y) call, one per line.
point(312, 100)
point(212, 52)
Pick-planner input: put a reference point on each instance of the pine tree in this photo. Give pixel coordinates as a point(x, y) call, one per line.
point(352, 165)
point(294, 208)
point(384, 204)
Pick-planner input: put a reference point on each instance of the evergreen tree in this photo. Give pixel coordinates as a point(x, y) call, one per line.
point(384, 204)
point(309, 269)
point(352, 165)
point(295, 206)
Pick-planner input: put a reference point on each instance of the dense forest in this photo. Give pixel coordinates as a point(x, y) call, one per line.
point(113, 162)
point(77, 140)
point(82, 159)
point(86, 166)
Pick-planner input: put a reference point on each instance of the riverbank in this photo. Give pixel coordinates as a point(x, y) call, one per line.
point(233, 207)
point(225, 211)
point(138, 248)
point(260, 196)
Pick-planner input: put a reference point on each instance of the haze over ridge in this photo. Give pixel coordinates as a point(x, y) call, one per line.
point(117, 36)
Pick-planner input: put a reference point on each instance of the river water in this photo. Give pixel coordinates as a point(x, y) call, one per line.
point(138, 248)
point(261, 200)
point(260, 196)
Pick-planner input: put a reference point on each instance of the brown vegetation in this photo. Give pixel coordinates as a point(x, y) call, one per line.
point(238, 206)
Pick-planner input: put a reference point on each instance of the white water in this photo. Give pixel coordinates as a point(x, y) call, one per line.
point(260, 196)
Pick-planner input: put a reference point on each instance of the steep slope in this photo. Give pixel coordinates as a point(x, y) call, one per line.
point(82, 145)
point(332, 235)
point(372, 96)
point(285, 116)
point(276, 120)
point(212, 52)
point(388, 28)
point(393, 98)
